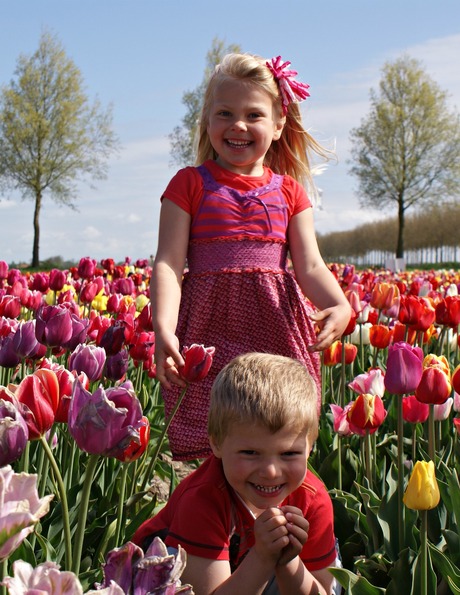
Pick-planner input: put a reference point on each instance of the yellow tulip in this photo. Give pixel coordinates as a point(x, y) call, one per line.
point(422, 492)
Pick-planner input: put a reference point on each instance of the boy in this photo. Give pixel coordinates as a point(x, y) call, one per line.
point(252, 518)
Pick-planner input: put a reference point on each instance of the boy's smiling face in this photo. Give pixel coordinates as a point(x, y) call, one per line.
point(261, 466)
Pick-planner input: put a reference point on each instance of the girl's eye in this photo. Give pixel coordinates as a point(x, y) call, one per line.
point(224, 114)
point(254, 116)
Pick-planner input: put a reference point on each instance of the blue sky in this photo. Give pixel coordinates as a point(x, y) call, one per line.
point(142, 55)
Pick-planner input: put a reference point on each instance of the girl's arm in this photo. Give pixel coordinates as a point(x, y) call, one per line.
point(316, 281)
point(165, 290)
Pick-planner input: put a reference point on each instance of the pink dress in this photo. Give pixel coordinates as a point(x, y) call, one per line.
point(238, 296)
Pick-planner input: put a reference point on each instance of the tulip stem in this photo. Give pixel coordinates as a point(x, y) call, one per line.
point(423, 553)
point(121, 503)
point(431, 440)
point(156, 452)
point(83, 512)
point(64, 505)
point(401, 511)
point(3, 574)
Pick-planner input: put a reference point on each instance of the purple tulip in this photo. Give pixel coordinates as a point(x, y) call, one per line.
point(54, 325)
point(116, 365)
point(88, 359)
point(13, 433)
point(155, 572)
point(24, 339)
point(107, 421)
point(404, 368)
point(8, 356)
point(79, 331)
point(113, 337)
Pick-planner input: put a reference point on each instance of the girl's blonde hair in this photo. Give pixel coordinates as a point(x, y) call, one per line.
point(262, 388)
point(292, 153)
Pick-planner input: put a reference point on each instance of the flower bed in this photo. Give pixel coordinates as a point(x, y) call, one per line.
point(82, 426)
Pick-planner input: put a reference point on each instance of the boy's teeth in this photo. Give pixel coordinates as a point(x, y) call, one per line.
point(267, 489)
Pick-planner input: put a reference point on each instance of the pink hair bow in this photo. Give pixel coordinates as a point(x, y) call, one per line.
point(290, 89)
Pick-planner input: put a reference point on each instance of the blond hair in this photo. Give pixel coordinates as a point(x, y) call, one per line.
point(292, 153)
point(271, 390)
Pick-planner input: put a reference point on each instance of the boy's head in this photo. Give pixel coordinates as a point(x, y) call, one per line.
point(264, 389)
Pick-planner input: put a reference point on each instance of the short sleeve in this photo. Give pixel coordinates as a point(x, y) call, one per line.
point(185, 189)
point(202, 527)
point(296, 196)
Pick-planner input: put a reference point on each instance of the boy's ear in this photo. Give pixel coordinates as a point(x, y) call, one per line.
point(215, 448)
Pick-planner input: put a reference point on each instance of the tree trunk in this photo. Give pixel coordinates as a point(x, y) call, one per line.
point(36, 245)
point(400, 244)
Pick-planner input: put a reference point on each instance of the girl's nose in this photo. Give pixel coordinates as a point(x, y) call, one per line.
point(238, 125)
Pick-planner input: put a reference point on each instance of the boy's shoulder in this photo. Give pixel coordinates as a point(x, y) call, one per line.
point(311, 494)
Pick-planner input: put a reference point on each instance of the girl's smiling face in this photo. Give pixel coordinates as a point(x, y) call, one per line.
point(242, 125)
point(262, 467)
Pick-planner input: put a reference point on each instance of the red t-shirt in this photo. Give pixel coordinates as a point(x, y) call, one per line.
point(207, 518)
point(186, 188)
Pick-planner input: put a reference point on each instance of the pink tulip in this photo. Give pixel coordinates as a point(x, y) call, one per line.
point(441, 412)
point(86, 267)
point(21, 508)
point(341, 425)
point(44, 579)
point(371, 382)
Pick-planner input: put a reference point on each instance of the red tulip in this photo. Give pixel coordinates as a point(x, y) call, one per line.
point(136, 448)
point(366, 414)
point(457, 424)
point(456, 379)
point(10, 306)
point(380, 336)
point(416, 312)
point(38, 398)
point(448, 311)
point(434, 386)
point(198, 361)
point(351, 324)
point(413, 410)
point(333, 354)
point(86, 267)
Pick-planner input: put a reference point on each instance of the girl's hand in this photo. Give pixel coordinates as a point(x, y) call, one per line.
point(297, 527)
point(331, 322)
point(271, 534)
point(168, 360)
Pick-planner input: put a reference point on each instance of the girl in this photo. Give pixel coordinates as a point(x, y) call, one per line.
point(233, 218)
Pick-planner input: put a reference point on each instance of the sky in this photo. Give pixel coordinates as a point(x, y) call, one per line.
point(141, 56)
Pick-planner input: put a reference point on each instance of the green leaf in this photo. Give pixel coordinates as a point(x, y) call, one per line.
point(448, 570)
point(401, 573)
point(354, 584)
point(417, 572)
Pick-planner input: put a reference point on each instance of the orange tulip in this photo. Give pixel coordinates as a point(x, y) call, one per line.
point(380, 336)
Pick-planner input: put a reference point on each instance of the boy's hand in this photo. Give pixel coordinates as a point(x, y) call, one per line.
point(271, 534)
point(297, 528)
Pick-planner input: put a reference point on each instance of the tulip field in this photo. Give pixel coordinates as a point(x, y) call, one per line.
point(83, 435)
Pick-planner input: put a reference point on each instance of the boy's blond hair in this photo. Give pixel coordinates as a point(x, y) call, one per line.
point(262, 388)
point(291, 154)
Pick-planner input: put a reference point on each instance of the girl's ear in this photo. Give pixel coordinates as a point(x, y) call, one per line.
point(279, 126)
point(215, 448)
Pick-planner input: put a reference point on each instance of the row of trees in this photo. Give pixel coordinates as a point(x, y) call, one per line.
point(431, 236)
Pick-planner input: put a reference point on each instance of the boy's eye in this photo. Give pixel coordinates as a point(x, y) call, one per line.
point(248, 452)
point(291, 453)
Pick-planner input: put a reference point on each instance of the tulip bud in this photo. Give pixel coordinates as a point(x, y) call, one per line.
point(404, 368)
point(198, 361)
point(434, 386)
point(86, 267)
point(88, 359)
point(422, 492)
point(54, 325)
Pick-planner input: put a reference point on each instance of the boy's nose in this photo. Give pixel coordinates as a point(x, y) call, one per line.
point(269, 470)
